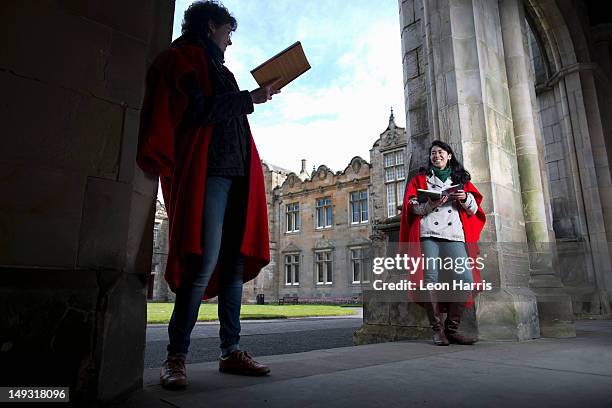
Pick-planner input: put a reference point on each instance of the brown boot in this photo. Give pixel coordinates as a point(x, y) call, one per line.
point(241, 363)
point(433, 314)
point(173, 375)
point(451, 325)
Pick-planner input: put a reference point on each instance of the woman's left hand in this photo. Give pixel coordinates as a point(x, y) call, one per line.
point(458, 195)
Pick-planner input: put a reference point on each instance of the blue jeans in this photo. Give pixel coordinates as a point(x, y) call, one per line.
point(437, 248)
point(222, 235)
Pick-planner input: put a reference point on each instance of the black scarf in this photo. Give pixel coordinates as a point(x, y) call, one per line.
point(218, 73)
point(216, 58)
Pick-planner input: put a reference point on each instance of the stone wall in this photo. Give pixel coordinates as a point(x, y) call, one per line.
point(78, 214)
point(418, 88)
point(266, 283)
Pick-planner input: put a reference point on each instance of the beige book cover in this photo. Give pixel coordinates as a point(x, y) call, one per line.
point(284, 66)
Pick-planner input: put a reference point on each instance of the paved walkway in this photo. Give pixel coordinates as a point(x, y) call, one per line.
point(260, 337)
point(539, 373)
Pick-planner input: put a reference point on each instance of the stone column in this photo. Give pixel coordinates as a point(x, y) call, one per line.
point(554, 305)
point(456, 90)
point(473, 102)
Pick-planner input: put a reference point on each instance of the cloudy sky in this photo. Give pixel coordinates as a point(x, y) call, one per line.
point(340, 106)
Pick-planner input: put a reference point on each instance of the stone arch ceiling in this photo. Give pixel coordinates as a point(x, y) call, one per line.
point(552, 29)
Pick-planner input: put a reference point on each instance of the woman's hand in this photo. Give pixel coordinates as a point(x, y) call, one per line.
point(437, 203)
point(458, 195)
point(264, 94)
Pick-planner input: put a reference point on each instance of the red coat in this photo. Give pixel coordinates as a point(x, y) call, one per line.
point(179, 158)
point(410, 228)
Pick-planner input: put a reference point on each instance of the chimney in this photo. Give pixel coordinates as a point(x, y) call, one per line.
point(303, 166)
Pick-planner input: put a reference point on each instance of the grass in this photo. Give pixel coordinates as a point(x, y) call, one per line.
point(160, 312)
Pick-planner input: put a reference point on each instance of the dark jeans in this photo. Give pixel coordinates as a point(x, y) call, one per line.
point(222, 234)
point(448, 258)
point(444, 250)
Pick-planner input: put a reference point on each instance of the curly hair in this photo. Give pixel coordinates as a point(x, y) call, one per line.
point(458, 173)
point(199, 13)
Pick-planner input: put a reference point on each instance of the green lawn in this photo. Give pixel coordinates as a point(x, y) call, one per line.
point(160, 312)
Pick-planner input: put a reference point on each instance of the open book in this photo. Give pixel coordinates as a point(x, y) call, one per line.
point(422, 195)
point(284, 66)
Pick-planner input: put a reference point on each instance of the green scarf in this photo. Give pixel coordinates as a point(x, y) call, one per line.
point(442, 174)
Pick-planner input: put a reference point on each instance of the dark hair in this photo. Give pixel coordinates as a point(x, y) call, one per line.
point(199, 13)
point(458, 173)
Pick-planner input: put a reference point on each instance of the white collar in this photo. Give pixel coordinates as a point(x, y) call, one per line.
point(434, 180)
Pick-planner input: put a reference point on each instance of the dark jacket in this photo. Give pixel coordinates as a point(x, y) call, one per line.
point(178, 156)
point(228, 152)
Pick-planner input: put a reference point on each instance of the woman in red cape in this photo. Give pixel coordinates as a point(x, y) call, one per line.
point(195, 135)
point(439, 231)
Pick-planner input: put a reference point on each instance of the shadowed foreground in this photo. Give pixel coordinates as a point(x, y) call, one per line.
point(544, 372)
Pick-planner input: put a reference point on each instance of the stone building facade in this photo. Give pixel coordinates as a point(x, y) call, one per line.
point(320, 225)
point(157, 288)
point(322, 229)
point(268, 278)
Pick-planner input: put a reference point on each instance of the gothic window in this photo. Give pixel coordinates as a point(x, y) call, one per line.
point(395, 179)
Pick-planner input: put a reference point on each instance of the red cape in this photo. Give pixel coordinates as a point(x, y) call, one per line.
point(179, 158)
point(410, 228)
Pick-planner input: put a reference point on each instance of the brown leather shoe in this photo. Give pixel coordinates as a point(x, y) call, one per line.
point(241, 363)
point(173, 375)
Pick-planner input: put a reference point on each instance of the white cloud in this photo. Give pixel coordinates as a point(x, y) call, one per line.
point(359, 104)
point(336, 110)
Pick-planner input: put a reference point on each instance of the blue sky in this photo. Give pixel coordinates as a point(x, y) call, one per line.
point(340, 106)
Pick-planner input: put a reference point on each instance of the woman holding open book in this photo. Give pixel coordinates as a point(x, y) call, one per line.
point(195, 136)
point(441, 222)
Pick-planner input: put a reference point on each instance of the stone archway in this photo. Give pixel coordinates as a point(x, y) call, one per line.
point(576, 177)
